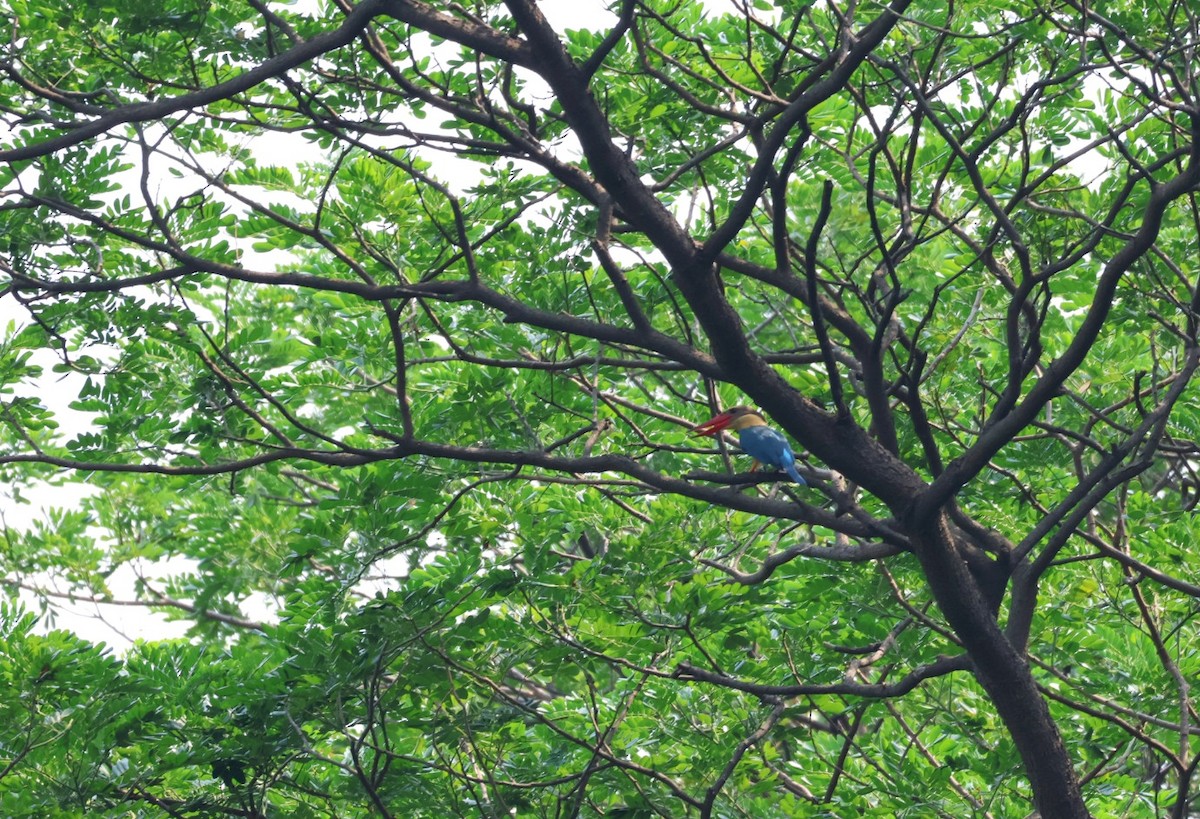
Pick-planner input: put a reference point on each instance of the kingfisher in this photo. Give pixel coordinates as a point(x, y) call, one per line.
point(757, 439)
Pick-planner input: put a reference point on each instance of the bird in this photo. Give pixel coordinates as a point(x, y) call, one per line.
point(757, 439)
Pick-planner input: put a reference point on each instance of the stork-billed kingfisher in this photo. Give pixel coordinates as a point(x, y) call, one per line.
point(757, 439)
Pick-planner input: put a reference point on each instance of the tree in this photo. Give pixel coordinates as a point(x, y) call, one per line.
point(397, 316)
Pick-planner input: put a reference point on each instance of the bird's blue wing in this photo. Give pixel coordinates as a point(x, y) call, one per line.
point(770, 448)
point(766, 446)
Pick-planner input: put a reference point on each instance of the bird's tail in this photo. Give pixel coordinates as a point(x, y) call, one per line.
point(795, 475)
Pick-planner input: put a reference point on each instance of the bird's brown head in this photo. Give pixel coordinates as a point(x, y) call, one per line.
point(735, 418)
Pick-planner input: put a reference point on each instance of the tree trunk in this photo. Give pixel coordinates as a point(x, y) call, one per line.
point(1003, 672)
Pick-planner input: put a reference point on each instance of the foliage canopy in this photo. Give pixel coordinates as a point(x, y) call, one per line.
point(395, 316)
